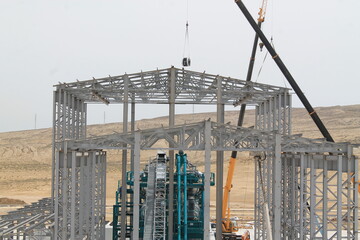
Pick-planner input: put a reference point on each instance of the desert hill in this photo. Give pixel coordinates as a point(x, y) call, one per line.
point(25, 156)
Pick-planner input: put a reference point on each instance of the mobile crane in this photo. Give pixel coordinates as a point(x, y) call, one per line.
point(229, 228)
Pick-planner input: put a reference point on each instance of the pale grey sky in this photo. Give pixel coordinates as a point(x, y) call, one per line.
point(43, 42)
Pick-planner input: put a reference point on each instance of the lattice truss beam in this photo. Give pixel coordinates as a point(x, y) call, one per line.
point(224, 137)
point(153, 87)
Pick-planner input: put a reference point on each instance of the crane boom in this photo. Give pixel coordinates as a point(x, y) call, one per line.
point(227, 226)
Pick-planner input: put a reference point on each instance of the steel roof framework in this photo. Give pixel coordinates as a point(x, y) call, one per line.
point(153, 87)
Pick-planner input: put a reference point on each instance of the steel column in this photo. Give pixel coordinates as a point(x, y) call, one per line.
point(73, 195)
point(356, 198)
point(135, 233)
point(172, 96)
point(339, 197)
point(207, 180)
point(219, 163)
point(277, 189)
point(124, 160)
point(325, 199)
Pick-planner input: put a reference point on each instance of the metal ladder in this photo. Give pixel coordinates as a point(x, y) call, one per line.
point(149, 210)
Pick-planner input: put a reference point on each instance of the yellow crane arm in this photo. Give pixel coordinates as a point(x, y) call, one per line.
point(227, 226)
point(227, 189)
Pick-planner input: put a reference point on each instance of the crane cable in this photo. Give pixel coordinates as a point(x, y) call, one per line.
point(263, 62)
point(186, 42)
point(186, 51)
point(262, 18)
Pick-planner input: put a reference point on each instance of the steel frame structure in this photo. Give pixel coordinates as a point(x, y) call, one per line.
point(310, 184)
point(34, 221)
point(167, 86)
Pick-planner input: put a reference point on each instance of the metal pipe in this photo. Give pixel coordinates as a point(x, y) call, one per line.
point(185, 197)
point(286, 73)
point(178, 166)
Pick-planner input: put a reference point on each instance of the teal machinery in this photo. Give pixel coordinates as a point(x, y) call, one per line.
point(188, 202)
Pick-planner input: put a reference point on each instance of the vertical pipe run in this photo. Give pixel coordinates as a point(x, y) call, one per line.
point(185, 196)
point(178, 166)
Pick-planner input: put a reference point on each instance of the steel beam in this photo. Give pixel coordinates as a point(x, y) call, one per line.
point(207, 180)
point(219, 162)
point(136, 227)
point(277, 189)
point(172, 97)
point(124, 160)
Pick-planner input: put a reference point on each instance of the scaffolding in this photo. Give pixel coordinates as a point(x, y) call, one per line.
point(310, 184)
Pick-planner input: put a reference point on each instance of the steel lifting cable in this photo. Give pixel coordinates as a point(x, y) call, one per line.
point(186, 53)
point(263, 62)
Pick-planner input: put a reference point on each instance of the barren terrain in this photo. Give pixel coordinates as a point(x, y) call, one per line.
point(25, 156)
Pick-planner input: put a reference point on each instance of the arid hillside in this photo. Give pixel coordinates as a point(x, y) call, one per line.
point(25, 156)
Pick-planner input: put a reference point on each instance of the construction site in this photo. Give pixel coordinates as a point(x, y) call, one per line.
point(304, 188)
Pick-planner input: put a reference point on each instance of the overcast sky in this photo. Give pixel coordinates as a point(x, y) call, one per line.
point(43, 42)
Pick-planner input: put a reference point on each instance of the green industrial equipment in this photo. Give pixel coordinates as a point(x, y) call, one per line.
point(188, 202)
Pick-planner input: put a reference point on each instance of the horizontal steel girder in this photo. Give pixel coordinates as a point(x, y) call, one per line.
point(224, 137)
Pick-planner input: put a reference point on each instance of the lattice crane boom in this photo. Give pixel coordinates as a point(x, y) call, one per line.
point(227, 225)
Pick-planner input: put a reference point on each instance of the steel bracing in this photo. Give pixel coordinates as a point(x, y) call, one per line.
point(308, 185)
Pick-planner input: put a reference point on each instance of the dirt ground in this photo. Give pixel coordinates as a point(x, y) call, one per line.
point(25, 156)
